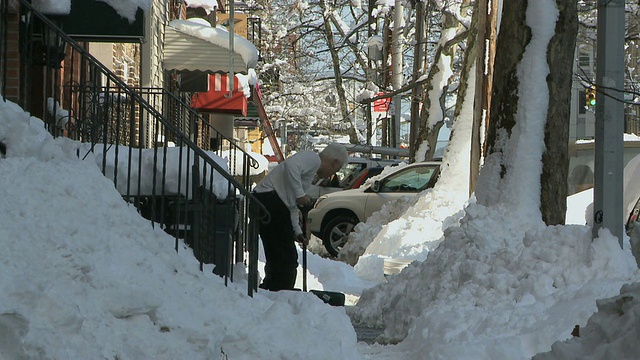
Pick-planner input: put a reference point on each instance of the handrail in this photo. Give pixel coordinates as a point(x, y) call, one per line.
point(235, 153)
point(179, 186)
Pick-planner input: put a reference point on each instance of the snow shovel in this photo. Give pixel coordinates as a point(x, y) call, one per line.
point(329, 297)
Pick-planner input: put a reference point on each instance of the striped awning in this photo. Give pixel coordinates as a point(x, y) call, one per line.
point(194, 45)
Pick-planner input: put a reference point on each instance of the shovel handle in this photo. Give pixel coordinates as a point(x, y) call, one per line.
point(305, 213)
point(304, 267)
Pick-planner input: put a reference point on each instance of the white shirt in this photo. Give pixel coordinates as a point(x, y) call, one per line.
point(291, 179)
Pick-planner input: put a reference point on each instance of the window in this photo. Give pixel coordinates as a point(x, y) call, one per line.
point(584, 59)
point(413, 179)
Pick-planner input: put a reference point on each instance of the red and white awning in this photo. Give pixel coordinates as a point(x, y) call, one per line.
point(220, 98)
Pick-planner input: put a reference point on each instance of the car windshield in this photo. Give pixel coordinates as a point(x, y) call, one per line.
point(412, 179)
point(348, 172)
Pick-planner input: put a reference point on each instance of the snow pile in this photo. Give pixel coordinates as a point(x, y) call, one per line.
point(486, 291)
point(611, 333)
point(501, 284)
point(85, 277)
point(417, 228)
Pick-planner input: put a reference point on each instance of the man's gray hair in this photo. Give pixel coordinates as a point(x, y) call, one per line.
point(335, 151)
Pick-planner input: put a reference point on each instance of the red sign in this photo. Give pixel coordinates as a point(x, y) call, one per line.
point(216, 100)
point(381, 105)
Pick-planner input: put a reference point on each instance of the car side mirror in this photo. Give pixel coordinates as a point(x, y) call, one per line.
point(375, 186)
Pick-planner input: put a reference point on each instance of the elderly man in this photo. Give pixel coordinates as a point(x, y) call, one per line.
point(282, 192)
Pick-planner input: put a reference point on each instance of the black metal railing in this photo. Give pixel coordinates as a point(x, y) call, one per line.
point(145, 141)
point(202, 133)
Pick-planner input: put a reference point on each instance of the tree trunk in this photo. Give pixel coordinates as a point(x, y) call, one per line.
point(504, 106)
point(509, 50)
point(433, 114)
point(468, 62)
point(487, 20)
point(418, 65)
point(335, 60)
point(555, 161)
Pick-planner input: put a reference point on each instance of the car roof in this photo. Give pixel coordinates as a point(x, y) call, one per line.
point(373, 161)
point(421, 163)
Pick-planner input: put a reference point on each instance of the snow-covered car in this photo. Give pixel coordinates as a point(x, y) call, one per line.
point(335, 215)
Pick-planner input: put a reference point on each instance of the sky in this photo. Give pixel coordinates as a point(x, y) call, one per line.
point(84, 276)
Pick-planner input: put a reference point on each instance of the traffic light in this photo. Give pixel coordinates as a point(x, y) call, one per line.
point(590, 96)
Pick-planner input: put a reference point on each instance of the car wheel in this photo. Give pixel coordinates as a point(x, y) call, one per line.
point(335, 234)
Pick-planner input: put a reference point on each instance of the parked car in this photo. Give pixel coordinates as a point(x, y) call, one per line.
point(350, 176)
point(633, 218)
point(362, 176)
point(335, 215)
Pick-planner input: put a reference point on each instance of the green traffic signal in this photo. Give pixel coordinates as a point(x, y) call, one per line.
point(590, 96)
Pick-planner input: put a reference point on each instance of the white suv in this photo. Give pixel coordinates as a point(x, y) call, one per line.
point(335, 215)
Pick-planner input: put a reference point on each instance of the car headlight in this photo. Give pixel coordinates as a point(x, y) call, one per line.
point(315, 206)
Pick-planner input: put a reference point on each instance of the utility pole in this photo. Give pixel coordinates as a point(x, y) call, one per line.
point(397, 71)
point(609, 144)
point(386, 73)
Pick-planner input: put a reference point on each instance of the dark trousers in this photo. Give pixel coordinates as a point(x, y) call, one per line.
point(278, 240)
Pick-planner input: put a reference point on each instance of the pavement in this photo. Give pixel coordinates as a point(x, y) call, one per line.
point(367, 335)
point(364, 333)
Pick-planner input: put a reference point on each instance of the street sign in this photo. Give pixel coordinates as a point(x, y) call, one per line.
point(381, 105)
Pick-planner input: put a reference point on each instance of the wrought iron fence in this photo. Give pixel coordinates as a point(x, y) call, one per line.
point(145, 140)
point(201, 132)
